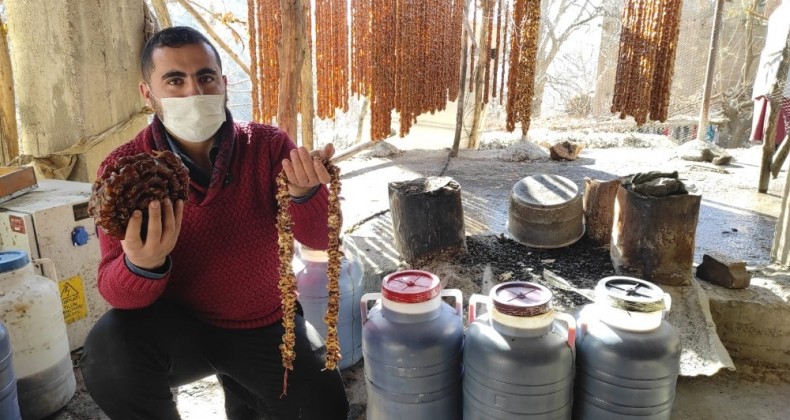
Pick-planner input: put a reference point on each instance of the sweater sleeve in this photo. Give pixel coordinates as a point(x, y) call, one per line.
point(119, 286)
point(309, 217)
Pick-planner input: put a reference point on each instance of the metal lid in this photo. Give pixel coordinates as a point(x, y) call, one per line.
point(630, 294)
point(520, 298)
point(13, 260)
point(545, 191)
point(411, 286)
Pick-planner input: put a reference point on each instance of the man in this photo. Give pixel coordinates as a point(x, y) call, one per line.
point(198, 296)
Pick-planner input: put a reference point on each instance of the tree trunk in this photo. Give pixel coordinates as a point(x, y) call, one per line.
point(427, 218)
point(291, 56)
point(9, 141)
point(77, 78)
point(361, 122)
point(307, 99)
point(653, 237)
point(459, 118)
point(480, 68)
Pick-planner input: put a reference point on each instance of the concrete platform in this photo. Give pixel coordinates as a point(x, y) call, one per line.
point(734, 219)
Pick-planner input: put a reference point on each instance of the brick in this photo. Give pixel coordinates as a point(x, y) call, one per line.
point(720, 270)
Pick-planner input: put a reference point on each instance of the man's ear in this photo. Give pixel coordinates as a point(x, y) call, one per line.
point(146, 92)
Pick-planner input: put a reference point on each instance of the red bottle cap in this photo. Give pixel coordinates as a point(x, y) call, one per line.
point(411, 286)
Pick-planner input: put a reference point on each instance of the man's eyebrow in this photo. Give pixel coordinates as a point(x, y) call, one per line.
point(206, 70)
point(173, 73)
point(178, 73)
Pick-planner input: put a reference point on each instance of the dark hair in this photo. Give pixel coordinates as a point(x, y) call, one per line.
point(175, 37)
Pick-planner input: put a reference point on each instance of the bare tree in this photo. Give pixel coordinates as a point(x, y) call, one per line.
point(736, 102)
point(559, 21)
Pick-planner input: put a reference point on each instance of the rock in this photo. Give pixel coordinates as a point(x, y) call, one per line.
point(702, 151)
point(383, 150)
point(565, 150)
point(524, 151)
point(720, 270)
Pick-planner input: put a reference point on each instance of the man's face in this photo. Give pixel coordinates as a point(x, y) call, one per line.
point(191, 69)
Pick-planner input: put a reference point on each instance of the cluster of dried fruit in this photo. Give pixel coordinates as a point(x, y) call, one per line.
point(382, 89)
point(494, 44)
point(131, 183)
point(415, 55)
point(523, 53)
point(646, 59)
point(331, 57)
point(334, 222)
point(361, 47)
point(287, 283)
point(265, 27)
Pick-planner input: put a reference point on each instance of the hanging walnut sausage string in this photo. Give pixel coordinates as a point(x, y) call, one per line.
point(287, 283)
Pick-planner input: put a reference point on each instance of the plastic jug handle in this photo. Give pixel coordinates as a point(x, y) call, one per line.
point(571, 322)
point(50, 268)
point(667, 305)
point(459, 300)
point(475, 300)
point(363, 304)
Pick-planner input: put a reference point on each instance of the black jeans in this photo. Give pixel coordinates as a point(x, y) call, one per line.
point(133, 357)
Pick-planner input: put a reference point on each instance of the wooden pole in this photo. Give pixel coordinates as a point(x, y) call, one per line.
point(307, 99)
point(775, 101)
point(222, 44)
point(291, 59)
point(9, 140)
point(160, 8)
point(459, 119)
point(702, 126)
point(482, 62)
point(361, 121)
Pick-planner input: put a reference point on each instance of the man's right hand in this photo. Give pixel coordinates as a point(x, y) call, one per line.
point(164, 225)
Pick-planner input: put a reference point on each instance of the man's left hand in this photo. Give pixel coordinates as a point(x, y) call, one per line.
point(306, 169)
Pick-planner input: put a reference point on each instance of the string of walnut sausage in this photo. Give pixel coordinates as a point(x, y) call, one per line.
point(646, 59)
point(287, 283)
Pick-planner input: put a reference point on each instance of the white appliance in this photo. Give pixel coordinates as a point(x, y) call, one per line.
point(52, 222)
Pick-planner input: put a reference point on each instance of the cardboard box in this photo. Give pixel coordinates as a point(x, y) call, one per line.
point(15, 181)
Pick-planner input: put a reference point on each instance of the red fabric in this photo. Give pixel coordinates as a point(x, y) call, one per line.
point(225, 263)
point(762, 107)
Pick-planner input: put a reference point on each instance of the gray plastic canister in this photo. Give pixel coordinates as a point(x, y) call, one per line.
point(412, 343)
point(9, 406)
point(517, 363)
point(311, 281)
point(628, 356)
point(546, 211)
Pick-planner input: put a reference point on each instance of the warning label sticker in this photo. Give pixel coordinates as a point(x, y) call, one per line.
point(72, 295)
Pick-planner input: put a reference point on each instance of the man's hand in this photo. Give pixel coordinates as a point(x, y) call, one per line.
point(305, 170)
point(164, 225)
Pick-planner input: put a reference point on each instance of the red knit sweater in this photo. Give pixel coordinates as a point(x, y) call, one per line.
point(225, 263)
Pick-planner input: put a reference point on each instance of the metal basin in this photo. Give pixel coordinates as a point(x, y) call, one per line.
point(545, 211)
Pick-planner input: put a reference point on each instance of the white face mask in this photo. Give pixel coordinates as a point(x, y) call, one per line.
point(193, 118)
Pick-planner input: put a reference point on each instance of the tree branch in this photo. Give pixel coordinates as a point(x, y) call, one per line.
point(235, 57)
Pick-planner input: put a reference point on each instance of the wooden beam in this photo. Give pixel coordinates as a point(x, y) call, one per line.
point(9, 139)
point(459, 118)
point(306, 95)
point(160, 8)
point(702, 126)
point(480, 68)
point(222, 44)
point(291, 60)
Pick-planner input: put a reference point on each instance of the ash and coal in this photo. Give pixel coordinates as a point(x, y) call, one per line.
point(570, 272)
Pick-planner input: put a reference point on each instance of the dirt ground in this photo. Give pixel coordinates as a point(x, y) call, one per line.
point(734, 219)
